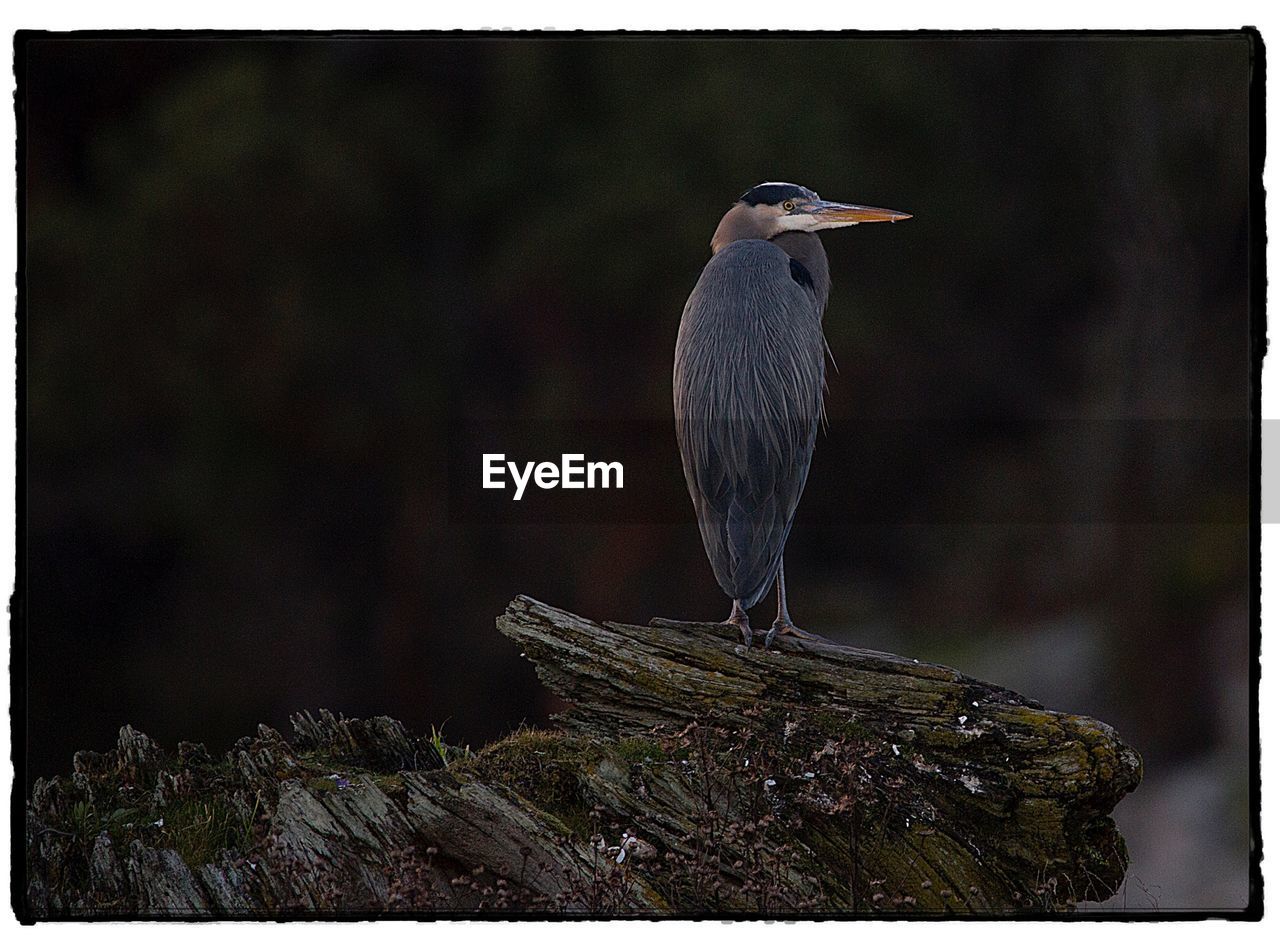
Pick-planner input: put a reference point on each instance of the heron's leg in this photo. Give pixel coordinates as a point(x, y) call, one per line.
point(739, 618)
point(782, 625)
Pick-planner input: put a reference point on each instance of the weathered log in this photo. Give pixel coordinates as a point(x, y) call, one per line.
point(690, 775)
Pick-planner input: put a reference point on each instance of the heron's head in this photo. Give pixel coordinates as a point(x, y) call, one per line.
point(770, 209)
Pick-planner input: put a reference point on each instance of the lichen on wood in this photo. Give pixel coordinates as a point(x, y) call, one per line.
point(690, 775)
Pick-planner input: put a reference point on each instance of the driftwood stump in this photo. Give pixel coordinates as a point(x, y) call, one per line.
point(691, 775)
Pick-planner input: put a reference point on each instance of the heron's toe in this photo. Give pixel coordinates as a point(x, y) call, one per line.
point(743, 624)
point(784, 627)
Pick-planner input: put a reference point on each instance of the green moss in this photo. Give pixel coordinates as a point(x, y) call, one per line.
point(638, 750)
point(1036, 718)
point(837, 725)
point(389, 784)
point(546, 769)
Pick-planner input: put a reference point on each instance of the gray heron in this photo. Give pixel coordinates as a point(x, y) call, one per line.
point(748, 384)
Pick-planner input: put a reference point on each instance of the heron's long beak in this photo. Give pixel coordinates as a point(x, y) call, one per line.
point(828, 215)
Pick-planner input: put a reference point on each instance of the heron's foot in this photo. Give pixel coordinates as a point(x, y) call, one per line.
point(783, 626)
point(743, 624)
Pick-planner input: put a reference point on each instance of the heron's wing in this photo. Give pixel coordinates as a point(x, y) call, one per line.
point(748, 396)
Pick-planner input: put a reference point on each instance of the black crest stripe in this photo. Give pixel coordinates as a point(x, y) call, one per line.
point(771, 193)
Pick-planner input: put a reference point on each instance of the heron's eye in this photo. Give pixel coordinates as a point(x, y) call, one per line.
point(788, 206)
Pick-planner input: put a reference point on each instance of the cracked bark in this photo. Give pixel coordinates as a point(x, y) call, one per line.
point(811, 778)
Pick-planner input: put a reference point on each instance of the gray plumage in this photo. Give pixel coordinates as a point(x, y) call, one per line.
point(748, 397)
point(749, 380)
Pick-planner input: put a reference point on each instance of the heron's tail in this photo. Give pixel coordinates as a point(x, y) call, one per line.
point(753, 561)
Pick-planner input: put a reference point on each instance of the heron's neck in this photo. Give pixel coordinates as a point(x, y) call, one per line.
point(806, 248)
point(740, 222)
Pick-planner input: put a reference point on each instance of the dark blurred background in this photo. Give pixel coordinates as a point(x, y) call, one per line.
point(277, 290)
